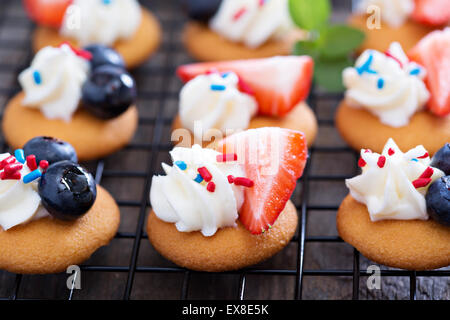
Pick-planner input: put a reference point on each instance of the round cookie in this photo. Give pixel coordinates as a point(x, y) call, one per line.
point(134, 50)
point(206, 45)
point(379, 39)
point(50, 245)
point(300, 118)
point(361, 129)
point(91, 137)
point(230, 248)
point(404, 244)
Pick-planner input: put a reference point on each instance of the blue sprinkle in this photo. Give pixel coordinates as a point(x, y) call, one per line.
point(20, 156)
point(414, 72)
point(37, 77)
point(33, 175)
point(217, 87)
point(380, 83)
point(198, 178)
point(181, 164)
point(414, 159)
point(106, 2)
point(225, 74)
point(366, 67)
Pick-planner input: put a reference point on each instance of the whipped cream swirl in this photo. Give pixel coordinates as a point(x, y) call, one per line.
point(252, 22)
point(181, 197)
point(101, 21)
point(393, 185)
point(19, 202)
point(393, 12)
point(53, 82)
point(213, 101)
point(386, 84)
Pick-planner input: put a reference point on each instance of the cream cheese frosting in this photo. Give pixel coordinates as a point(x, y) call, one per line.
point(213, 101)
point(19, 202)
point(393, 184)
point(54, 81)
point(252, 22)
point(393, 12)
point(184, 198)
point(101, 21)
point(386, 84)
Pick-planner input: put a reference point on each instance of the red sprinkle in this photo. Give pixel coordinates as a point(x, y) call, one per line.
point(11, 168)
point(262, 2)
point(31, 162)
point(241, 181)
point(205, 174)
point(427, 173)
point(381, 161)
point(43, 164)
point(388, 54)
point(79, 52)
point(421, 182)
point(211, 186)
point(426, 155)
point(226, 157)
point(14, 176)
point(230, 178)
point(239, 13)
point(391, 151)
point(368, 151)
point(361, 162)
point(7, 161)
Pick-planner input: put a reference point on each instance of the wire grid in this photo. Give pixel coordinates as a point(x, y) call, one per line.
point(159, 143)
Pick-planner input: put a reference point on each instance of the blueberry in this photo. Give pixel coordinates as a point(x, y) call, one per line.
point(438, 200)
point(108, 92)
point(441, 159)
point(67, 190)
point(201, 10)
point(102, 55)
point(50, 149)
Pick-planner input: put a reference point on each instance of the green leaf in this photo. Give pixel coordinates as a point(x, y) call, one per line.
point(338, 41)
point(328, 74)
point(308, 48)
point(310, 14)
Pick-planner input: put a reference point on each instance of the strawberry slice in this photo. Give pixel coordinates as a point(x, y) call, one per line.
point(278, 83)
point(432, 12)
point(273, 158)
point(47, 12)
point(433, 52)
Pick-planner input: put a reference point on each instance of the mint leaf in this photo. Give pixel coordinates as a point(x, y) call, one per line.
point(310, 14)
point(308, 48)
point(328, 74)
point(337, 41)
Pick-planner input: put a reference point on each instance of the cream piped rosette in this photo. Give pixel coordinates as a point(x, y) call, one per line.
point(393, 184)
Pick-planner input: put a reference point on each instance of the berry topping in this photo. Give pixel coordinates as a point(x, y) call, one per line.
point(50, 149)
point(201, 10)
point(278, 83)
point(433, 52)
point(102, 55)
point(108, 92)
point(431, 12)
point(47, 12)
point(67, 190)
point(441, 159)
point(273, 159)
point(438, 200)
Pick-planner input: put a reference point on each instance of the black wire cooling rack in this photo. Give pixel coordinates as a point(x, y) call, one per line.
point(157, 106)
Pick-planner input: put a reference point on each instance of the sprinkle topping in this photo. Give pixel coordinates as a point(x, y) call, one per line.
point(218, 87)
point(205, 174)
point(226, 157)
point(37, 77)
point(391, 151)
point(381, 161)
point(239, 13)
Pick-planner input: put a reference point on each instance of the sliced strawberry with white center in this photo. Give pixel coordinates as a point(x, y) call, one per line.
point(273, 158)
point(278, 83)
point(433, 52)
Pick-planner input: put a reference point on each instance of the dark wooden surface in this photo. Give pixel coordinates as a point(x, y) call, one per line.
point(125, 175)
